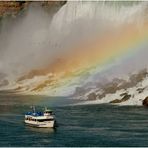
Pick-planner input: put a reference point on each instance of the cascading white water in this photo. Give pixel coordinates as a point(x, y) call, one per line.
point(80, 18)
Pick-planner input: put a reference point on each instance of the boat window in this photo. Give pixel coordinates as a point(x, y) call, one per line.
point(42, 120)
point(48, 112)
point(30, 119)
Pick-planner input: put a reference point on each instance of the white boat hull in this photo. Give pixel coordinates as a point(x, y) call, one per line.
point(49, 124)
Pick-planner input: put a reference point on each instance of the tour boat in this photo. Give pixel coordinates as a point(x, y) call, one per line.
point(40, 119)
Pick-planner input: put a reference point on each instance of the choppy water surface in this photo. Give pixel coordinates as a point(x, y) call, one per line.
point(87, 125)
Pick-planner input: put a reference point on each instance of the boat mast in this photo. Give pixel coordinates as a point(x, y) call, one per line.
point(33, 108)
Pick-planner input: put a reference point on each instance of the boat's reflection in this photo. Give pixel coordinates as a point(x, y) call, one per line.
point(42, 130)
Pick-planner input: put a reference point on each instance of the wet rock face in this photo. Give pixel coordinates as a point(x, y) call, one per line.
point(124, 98)
point(145, 102)
point(12, 8)
point(118, 84)
point(92, 96)
point(115, 101)
point(123, 94)
point(52, 6)
point(140, 90)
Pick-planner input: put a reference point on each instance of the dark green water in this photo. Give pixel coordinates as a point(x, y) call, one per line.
point(88, 125)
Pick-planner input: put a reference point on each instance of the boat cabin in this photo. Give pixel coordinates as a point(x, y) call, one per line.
point(48, 112)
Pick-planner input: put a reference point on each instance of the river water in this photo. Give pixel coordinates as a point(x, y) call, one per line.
point(78, 125)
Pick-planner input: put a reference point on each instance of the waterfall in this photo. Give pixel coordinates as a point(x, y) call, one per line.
point(35, 38)
point(80, 20)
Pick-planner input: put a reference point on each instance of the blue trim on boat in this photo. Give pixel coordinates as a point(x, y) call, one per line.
point(34, 114)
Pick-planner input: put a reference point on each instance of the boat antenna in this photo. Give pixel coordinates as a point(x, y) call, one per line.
point(33, 108)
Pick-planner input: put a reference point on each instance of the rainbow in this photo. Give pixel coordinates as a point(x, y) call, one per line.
point(103, 52)
point(97, 55)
